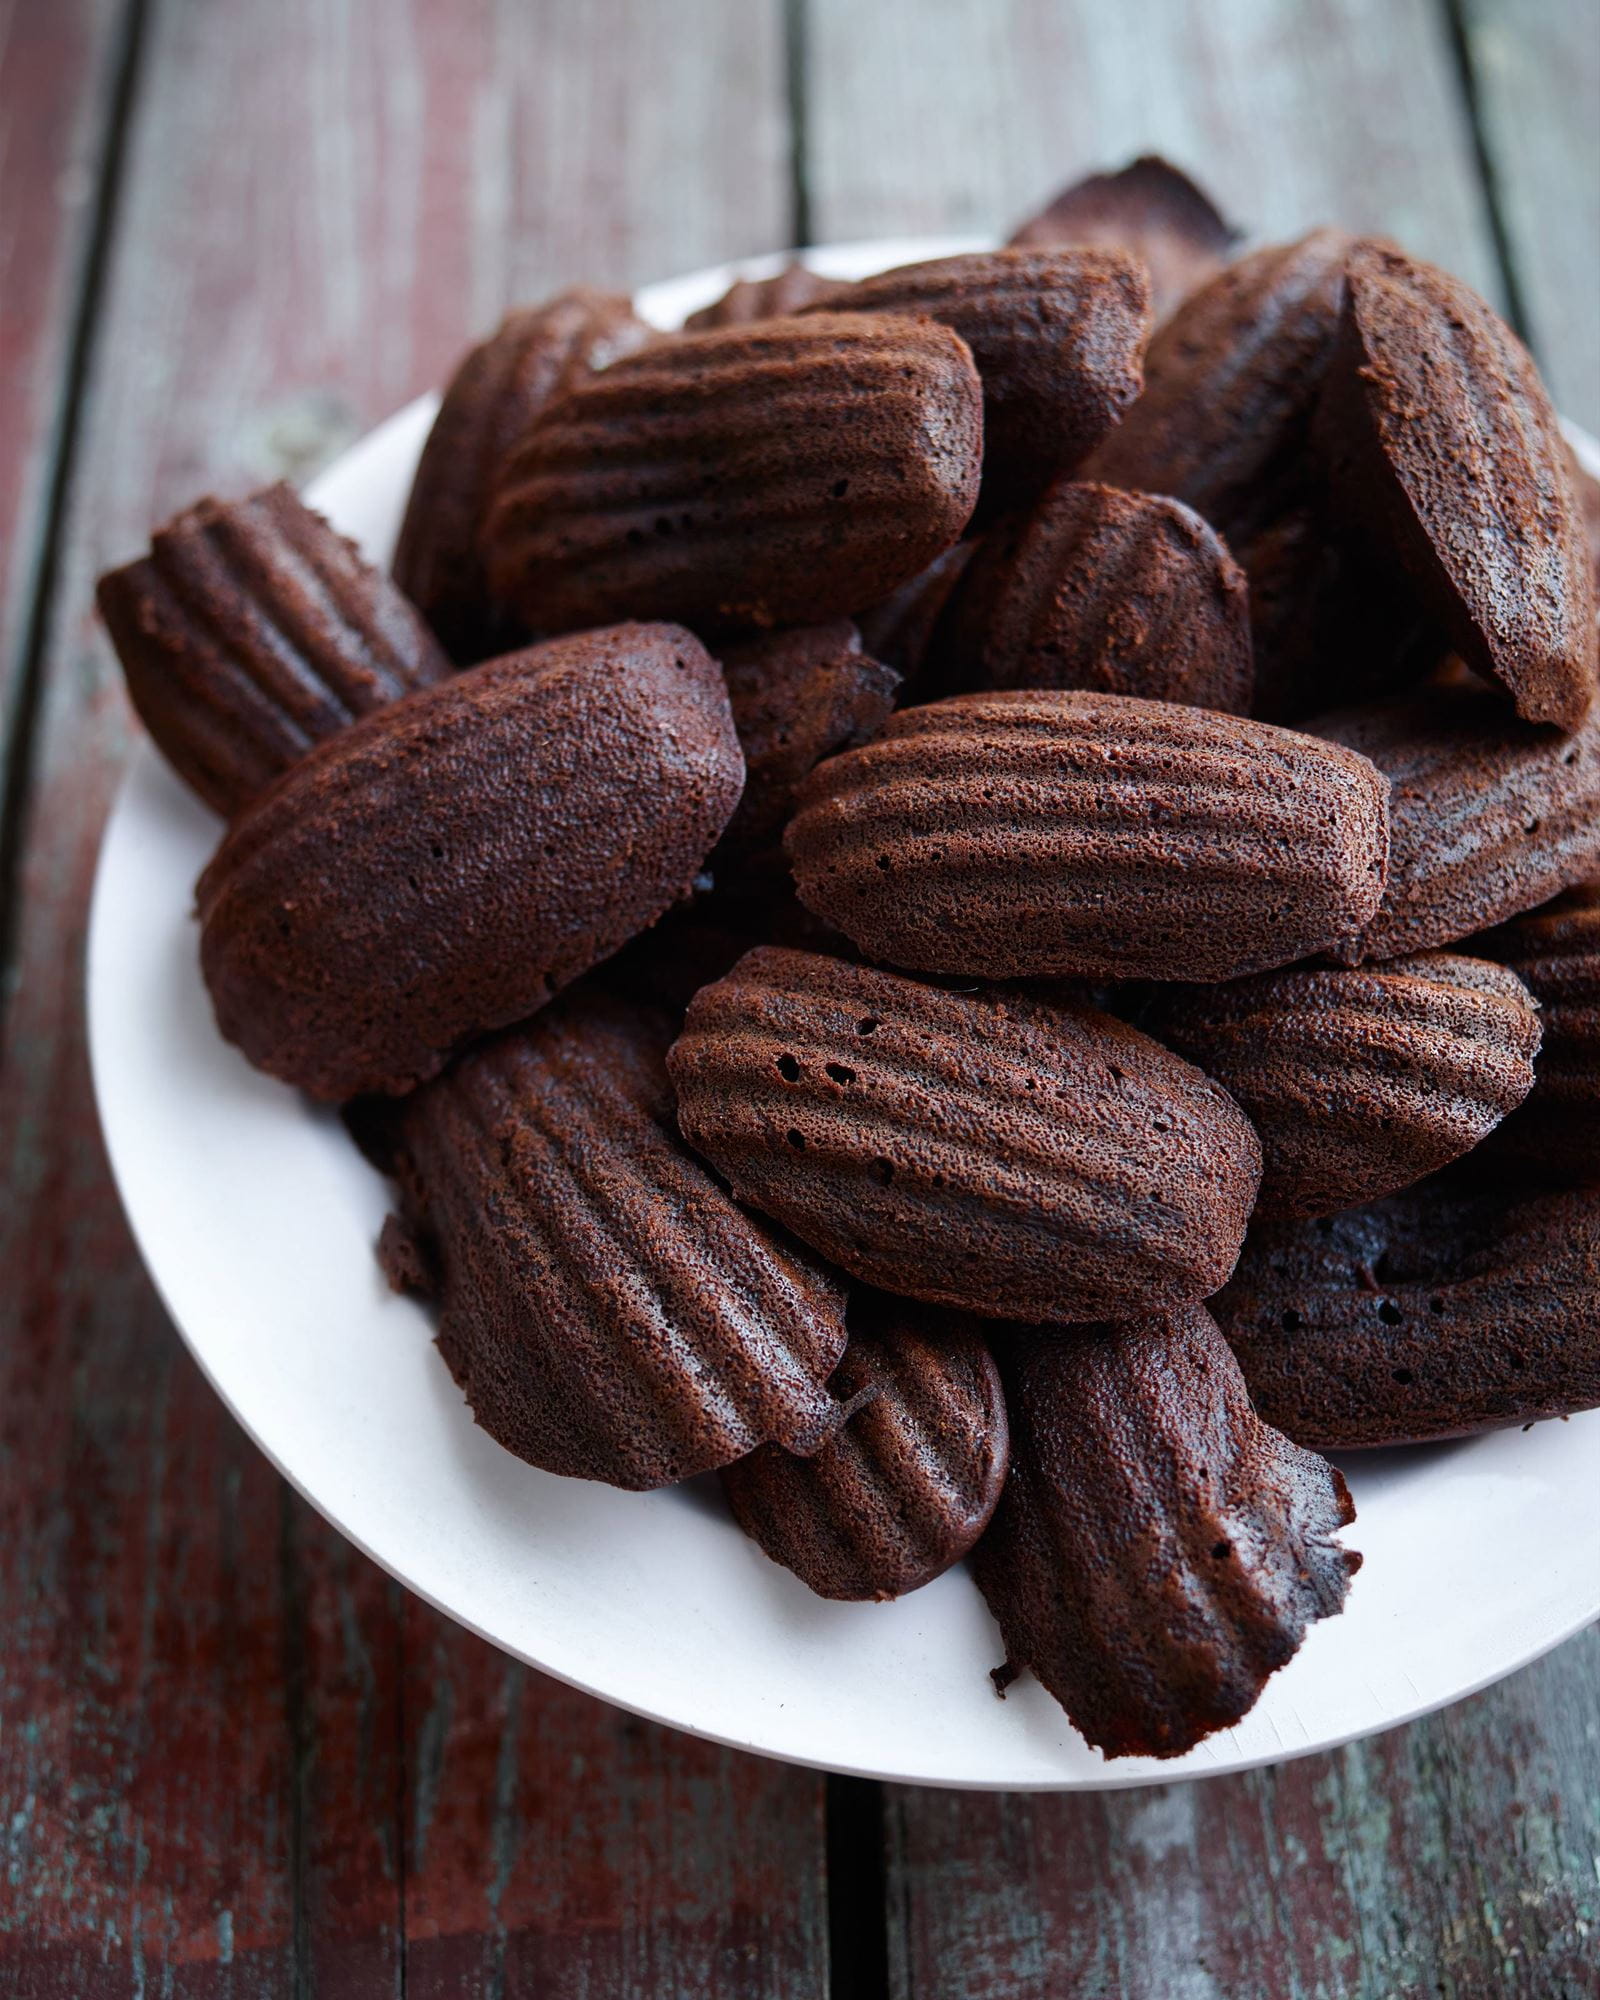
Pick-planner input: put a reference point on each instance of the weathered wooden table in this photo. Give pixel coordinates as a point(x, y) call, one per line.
point(234, 1758)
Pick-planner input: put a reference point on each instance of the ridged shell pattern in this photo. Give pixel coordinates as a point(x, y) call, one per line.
point(1096, 588)
point(443, 868)
point(1555, 952)
point(1442, 447)
point(1360, 1081)
point(1488, 816)
point(1057, 336)
point(776, 474)
point(979, 1151)
point(607, 1309)
point(797, 696)
point(1231, 386)
point(1158, 1551)
point(252, 632)
point(495, 393)
point(1152, 211)
point(1048, 834)
point(1439, 1312)
point(747, 299)
point(906, 1486)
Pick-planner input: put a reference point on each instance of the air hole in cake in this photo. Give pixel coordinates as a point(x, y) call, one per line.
point(1436, 1305)
point(1222, 1551)
point(867, 1024)
point(1390, 1313)
point(796, 1139)
point(1292, 1322)
point(789, 1070)
point(841, 1073)
point(1402, 1374)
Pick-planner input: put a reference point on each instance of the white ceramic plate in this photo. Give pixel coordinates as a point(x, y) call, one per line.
point(257, 1220)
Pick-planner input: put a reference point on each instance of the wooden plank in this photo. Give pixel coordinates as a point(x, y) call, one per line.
point(58, 65)
point(558, 1848)
point(1455, 1856)
point(933, 115)
point(1535, 68)
point(207, 1703)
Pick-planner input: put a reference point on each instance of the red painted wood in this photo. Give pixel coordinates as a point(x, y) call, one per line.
point(1456, 1856)
point(231, 1752)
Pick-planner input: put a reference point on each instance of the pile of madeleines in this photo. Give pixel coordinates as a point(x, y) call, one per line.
point(972, 897)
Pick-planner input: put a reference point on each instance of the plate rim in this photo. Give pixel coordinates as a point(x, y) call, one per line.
point(1107, 1776)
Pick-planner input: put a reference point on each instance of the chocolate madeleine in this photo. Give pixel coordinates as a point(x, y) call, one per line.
point(747, 299)
point(1488, 816)
point(1046, 834)
point(797, 696)
point(775, 474)
point(1057, 336)
point(1152, 211)
point(607, 1309)
point(445, 866)
point(1232, 382)
point(1360, 1081)
point(251, 632)
point(1096, 588)
point(494, 395)
point(1434, 1314)
point(1442, 449)
point(899, 629)
point(1158, 1551)
point(983, 1151)
point(1555, 952)
point(906, 1486)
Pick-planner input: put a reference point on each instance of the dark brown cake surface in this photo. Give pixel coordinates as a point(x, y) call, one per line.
point(1150, 209)
point(497, 390)
point(982, 1151)
point(1232, 382)
point(1439, 1312)
point(781, 473)
point(797, 696)
point(1488, 816)
point(906, 1486)
point(1555, 952)
point(1158, 1551)
point(250, 633)
point(1360, 1081)
point(746, 299)
point(1057, 336)
point(1442, 446)
point(1096, 588)
point(444, 867)
point(1049, 834)
point(607, 1309)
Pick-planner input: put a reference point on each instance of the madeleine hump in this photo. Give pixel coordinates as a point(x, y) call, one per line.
point(1050, 834)
point(984, 1151)
point(443, 868)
